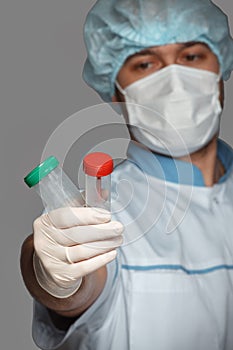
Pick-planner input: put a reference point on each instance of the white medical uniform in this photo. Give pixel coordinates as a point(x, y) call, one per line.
point(171, 287)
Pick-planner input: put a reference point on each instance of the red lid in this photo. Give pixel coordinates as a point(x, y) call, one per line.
point(97, 164)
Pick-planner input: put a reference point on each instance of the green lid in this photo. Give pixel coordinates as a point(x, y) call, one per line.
point(42, 170)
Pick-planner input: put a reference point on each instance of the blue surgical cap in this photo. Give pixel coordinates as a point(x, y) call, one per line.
point(116, 29)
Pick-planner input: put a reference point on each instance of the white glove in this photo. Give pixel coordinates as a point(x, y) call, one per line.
point(71, 243)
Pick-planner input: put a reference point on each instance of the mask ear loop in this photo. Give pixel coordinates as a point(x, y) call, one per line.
point(220, 73)
point(120, 88)
point(219, 76)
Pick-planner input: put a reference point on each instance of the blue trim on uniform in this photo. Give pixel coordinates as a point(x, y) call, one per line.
point(179, 172)
point(176, 268)
point(182, 172)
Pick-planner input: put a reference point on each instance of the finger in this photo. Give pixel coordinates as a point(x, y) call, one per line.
point(85, 234)
point(76, 216)
point(85, 267)
point(86, 251)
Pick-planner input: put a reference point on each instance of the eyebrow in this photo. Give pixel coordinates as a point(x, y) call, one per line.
point(150, 51)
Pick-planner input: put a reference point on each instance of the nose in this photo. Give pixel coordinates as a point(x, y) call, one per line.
point(167, 61)
point(167, 54)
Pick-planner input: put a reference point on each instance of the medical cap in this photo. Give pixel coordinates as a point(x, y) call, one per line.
point(116, 29)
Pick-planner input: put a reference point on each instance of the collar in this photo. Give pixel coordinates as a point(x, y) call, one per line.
point(177, 171)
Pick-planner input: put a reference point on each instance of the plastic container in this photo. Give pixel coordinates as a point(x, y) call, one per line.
point(53, 185)
point(98, 167)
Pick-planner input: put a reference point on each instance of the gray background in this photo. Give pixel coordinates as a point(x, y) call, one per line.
point(41, 59)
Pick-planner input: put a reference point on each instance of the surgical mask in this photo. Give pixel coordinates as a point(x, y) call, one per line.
point(175, 111)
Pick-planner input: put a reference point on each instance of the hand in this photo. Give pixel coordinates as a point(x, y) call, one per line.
point(71, 243)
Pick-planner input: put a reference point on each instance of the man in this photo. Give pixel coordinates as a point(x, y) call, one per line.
point(170, 286)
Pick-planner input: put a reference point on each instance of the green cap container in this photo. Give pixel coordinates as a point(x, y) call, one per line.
point(41, 171)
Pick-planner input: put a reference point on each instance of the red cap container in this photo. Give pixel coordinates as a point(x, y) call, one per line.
point(98, 164)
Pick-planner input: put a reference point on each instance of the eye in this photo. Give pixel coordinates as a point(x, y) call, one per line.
point(192, 57)
point(144, 65)
point(196, 54)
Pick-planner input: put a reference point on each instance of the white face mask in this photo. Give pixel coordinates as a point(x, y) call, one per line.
point(175, 111)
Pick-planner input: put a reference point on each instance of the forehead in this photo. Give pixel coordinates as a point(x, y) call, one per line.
point(168, 49)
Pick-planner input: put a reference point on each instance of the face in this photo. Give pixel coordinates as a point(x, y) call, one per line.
point(151, 60)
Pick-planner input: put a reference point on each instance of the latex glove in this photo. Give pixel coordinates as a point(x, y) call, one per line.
point(71, 243)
